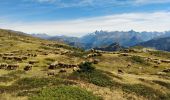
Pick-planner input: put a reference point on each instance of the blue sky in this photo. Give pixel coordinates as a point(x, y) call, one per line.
point(79, 17)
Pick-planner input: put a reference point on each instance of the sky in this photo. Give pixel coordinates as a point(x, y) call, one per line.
point(80, 17)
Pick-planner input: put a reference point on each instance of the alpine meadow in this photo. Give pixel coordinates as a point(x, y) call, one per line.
point(84, 50)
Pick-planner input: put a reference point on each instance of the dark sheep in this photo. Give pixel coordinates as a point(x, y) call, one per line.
point(129, 65)
point(28, 67)
point(7, 57)
point(96, 61)
point(62, 71)
point(165, 61)
point(24, 58)
point(51, 73)
point(120, 71)
point(12, 66)
point(156, 66)
point(166, 70)
point(18, 58)
point(3, 66)
point(1, 54)
point(33, 61)
point(53, 65)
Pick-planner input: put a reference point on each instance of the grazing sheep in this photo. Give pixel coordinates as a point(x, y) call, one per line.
point(24, 58)
point(129, 65)
point(96, 61)
point(3, 66)
point(76, 69)
point(125, 54)
point(18, 58)
point(165, 61)
point(28, 67)
point(156, 66)
point(33, 61)
point(120, 71)
point(1, 54)
point(62, 71)
point(166, 70)
point(51, 73)
point(8, 54)
point(161, 73)
point(7, 57)
point(32, 55)
point(12, 66)
point(53, 65)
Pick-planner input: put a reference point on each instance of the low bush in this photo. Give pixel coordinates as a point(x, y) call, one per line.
point(86, 67)
point(64, 93)
point(139, 60)
point(96, 77)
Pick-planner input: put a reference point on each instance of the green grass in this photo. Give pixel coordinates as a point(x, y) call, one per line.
point(64, 93)
point(30, 83)
point(33, 83)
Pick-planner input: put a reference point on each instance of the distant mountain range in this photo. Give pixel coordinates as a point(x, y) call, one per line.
point(102, 39)
point(43, 36)
point(158, 43)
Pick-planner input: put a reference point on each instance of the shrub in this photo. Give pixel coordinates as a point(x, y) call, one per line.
point(64, 93)
point(96, 77)
point(137, 59)
point(86, 67)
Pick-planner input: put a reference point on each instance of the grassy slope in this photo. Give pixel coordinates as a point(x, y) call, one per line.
point(105, 82)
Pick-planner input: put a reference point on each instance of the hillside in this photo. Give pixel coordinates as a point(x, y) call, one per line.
point(37, 69)
point(158, 43)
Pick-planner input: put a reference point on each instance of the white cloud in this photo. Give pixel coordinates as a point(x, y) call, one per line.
point(151, 1)
point(156, 21)
point(78, 3)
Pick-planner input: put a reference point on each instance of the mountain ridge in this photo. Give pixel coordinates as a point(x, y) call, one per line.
point(102, 38)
